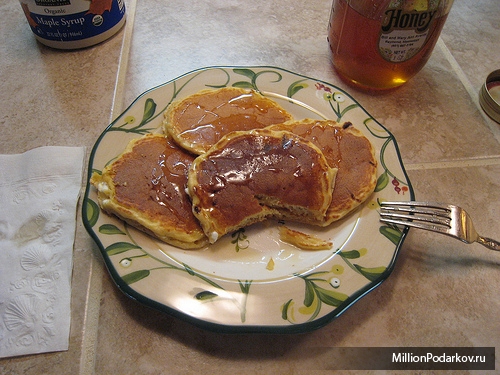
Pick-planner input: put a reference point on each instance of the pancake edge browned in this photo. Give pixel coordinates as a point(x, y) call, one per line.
point(106, 197)
point(335, 213)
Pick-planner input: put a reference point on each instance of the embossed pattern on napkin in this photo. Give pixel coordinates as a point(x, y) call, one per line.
point(38, 193)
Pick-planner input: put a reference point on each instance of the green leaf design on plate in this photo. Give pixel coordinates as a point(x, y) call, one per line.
point(245, 286)
point(373, 273)
point(110, 229)
point(385, 177)
point(296, 87)
point(149, 110)
point(330, 297)
point(253, 77)
point(245, 72)
point(284, 309)
point(382, 181)
point(92, 211)
point(188, 269)
point(135, 276)
point(309, 293)
point(205, 295)
point(245, 289)
point(147, 116)
point(351, 254)
point(240, 240)
point(393, 233)
point(347, 109)
point(120, 247)
point(314, 296)
point(243, 85)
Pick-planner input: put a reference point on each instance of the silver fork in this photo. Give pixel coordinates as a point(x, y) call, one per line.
point(437, 217)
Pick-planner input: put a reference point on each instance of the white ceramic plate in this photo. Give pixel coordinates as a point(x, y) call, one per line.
point(250, 281)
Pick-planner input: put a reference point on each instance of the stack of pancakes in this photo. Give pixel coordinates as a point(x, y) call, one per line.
point(229, 158)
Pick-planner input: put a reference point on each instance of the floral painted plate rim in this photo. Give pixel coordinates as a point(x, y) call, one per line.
point(250, 281)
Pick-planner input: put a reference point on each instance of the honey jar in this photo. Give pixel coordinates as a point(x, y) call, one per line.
point(381, 44)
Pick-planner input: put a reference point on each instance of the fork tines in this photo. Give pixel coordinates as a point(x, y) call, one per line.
point(423, 215)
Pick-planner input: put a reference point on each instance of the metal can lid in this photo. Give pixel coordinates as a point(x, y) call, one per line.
point(489, 95)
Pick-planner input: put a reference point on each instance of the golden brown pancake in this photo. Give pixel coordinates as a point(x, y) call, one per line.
point(198, 121)
point(146, 186)
point(347, 149)
point(249, 176)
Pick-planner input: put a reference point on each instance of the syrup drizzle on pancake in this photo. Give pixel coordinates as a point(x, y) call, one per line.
point(200, 120)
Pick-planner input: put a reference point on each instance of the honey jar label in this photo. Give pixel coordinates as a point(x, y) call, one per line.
point(405, 30)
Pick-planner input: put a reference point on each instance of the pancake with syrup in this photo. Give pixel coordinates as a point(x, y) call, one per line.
point(249, 176)
point(346, 149)
point(146, 187)
point(198, 121)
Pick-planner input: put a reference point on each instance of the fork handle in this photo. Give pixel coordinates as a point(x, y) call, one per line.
point(489, 243)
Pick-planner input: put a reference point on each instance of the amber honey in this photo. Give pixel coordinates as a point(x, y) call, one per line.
point(355, 44)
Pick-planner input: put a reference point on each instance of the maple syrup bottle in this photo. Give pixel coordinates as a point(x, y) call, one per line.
point(72, 24)
point(381, 44)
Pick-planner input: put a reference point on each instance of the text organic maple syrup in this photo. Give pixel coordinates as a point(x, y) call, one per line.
point(381, 44)
point(71, 24)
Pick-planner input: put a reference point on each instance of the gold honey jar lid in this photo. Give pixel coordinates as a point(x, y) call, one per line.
point(489, 95)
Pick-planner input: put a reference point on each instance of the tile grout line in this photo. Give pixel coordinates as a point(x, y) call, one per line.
point(473, 93)
point(459, 163)
point(94, 291)
point(118, 96)
point(91, 319)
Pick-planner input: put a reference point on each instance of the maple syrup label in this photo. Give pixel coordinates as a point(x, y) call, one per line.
point(52, 2)
point(72, 20)
point(404, 31)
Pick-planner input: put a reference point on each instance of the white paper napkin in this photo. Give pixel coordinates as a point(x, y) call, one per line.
point(38, 197)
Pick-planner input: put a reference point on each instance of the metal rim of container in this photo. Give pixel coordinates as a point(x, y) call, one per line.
point(488, 103)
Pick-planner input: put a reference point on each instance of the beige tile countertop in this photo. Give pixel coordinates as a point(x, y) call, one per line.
point(442, 293)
